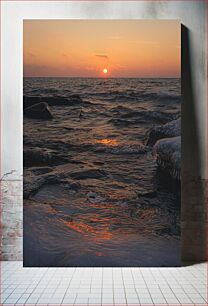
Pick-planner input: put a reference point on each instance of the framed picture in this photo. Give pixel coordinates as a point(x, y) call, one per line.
point(102, 139)
point(102, 142)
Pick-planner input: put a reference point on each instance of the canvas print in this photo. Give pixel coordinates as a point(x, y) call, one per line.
point(102, 143)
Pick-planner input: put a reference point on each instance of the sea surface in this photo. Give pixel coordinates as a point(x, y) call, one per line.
point(103, 201)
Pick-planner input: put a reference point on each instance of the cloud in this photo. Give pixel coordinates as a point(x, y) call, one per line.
point(101, 56)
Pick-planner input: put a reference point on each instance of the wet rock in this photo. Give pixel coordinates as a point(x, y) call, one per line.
point(41, 170)
point(38, 111)
point(170, 129)
point(29, 101)
point(53, 101)
point(90, 173)
point(39, 157)
point(61, 101)
point(34, 182)
point(71, 100)
point(31, 185)
point(35, 157)
point(168, 154)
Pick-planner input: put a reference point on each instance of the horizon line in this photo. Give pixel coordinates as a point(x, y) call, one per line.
point(104, 78)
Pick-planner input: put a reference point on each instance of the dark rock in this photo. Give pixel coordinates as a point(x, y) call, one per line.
point(41, 170)
point(29, 101)
point(34, 182)
point(168, 154)
point(71, 100)
point(38, 111)
point(58, 101)
point(34, 157)
point(90, 173)
point(31, 185)
point(170, 129)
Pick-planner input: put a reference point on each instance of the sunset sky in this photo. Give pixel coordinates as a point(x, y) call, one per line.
point(84, 48)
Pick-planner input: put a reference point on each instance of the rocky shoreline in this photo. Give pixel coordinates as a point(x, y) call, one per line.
point(101, 167)
point(166, 142)
point(163, 140)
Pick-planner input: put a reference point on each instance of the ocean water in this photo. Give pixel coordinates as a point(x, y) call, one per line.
point(98, 198)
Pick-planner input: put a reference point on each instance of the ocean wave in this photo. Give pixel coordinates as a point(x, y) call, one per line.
point(133, 96)
point(123, 92)
point(136, 149)
point(165, 95)
point(136, 117)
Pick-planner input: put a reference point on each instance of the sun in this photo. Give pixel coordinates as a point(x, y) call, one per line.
point(105, 70)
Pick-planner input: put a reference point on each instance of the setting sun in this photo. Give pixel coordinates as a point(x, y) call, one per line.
point(100, 48)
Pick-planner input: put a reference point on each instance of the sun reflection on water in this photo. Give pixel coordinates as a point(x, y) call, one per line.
point(108, 142)
point(88, 231)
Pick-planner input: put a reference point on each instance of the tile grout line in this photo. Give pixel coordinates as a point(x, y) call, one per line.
point(135, 287)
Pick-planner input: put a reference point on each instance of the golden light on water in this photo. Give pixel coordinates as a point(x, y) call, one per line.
point(80, 227)
point(108, 142)
point(86, 230)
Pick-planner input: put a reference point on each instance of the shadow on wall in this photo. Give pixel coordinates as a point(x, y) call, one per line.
point(193, 210)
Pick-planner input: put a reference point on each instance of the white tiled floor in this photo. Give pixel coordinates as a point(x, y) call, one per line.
point(103, 286)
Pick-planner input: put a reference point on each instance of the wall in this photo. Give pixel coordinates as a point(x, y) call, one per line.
point(194, 107)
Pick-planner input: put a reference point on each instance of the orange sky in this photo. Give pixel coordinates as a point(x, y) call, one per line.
point(83, 48)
